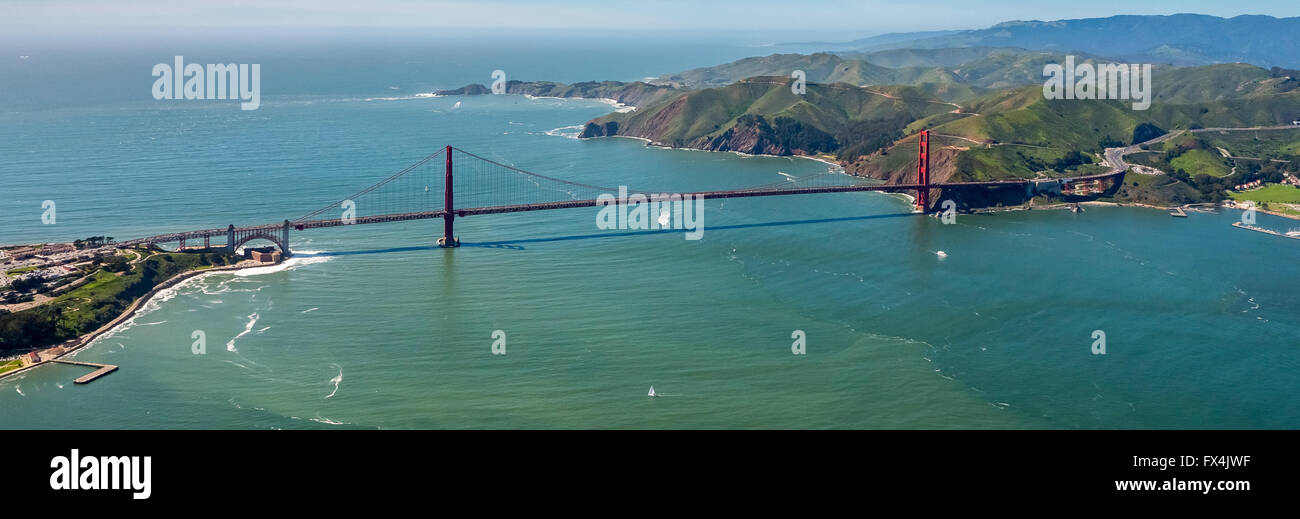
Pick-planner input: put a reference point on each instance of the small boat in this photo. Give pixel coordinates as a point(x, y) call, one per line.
point(652, 392)
point(941, 254)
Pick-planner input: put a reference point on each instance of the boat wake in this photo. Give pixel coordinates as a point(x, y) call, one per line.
point(336, 381)
point(252, 320)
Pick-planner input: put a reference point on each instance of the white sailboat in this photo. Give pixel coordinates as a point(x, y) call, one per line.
point(652, 392)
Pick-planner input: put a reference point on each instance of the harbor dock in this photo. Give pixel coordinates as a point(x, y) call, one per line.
point(1265, 231)
point(100, 370)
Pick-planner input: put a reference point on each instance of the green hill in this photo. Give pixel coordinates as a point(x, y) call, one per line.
point(764, 115)
point(1010, 132)
point(948, 74)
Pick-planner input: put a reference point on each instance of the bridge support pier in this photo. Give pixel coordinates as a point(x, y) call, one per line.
point(230, 239)
point(448, 238)
point(284, 240)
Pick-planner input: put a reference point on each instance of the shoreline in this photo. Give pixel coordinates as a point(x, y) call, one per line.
point(652, 144)
point(619, 106)
point(81, 343)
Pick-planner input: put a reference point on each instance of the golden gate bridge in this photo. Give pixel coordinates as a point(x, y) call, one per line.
point(472, 185)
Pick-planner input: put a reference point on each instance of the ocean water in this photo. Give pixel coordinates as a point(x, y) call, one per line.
point(374, 327)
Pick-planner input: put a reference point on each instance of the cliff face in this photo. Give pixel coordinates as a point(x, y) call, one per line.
point(752, 134)
point(943, 164)
point(467, 90)
point(593, 129)
point(766, 116)
point(780, 136)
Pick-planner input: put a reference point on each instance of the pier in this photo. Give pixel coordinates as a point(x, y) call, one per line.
point(100, 370)
point(1265, 231)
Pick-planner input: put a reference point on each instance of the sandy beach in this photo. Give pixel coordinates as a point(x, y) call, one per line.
point(75, 345)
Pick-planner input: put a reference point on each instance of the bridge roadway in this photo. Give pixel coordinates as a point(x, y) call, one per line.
point(423, 215)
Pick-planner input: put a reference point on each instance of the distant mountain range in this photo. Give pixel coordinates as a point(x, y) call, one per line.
point(950, 74)
point(980, 92)
point(1180, 39)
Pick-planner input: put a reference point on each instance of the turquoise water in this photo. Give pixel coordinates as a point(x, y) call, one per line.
point(372, 327)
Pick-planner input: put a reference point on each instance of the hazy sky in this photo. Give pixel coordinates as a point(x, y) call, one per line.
point(839, 16)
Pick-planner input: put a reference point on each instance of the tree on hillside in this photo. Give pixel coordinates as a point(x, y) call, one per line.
point(1145, 132)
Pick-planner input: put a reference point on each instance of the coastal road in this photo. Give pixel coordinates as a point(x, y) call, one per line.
point(1114, 157)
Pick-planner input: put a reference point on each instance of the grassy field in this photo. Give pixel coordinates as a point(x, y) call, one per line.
point(6, 366)
point(1272, 144)
point(1198, 162)
point(1153, 189)
point(1275, 195)
point(102, 298)
point(23, 270)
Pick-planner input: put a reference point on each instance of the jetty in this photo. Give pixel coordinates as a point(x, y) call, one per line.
point(1265, 231)
point(1178, 213)
point(100, 370)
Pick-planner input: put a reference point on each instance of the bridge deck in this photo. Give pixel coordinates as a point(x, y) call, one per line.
point(737, 193)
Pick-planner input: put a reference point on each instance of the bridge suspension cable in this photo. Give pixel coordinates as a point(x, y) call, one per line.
point(371, 188)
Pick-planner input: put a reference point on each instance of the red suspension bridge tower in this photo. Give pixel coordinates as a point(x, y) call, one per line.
point(448, 229)
point(922, 172)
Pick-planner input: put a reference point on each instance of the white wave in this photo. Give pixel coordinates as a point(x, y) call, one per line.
point(252, 320)
point(396, 98)
point(151, 324)
point(571, 131)
point(336, 381)
point(618, 107)
point(238, 364)
point(299, 259)
point(321, 419)
point(455, 106)
point(312, 309)
point(264, 329)
point(19, 389)
point(149, 306)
